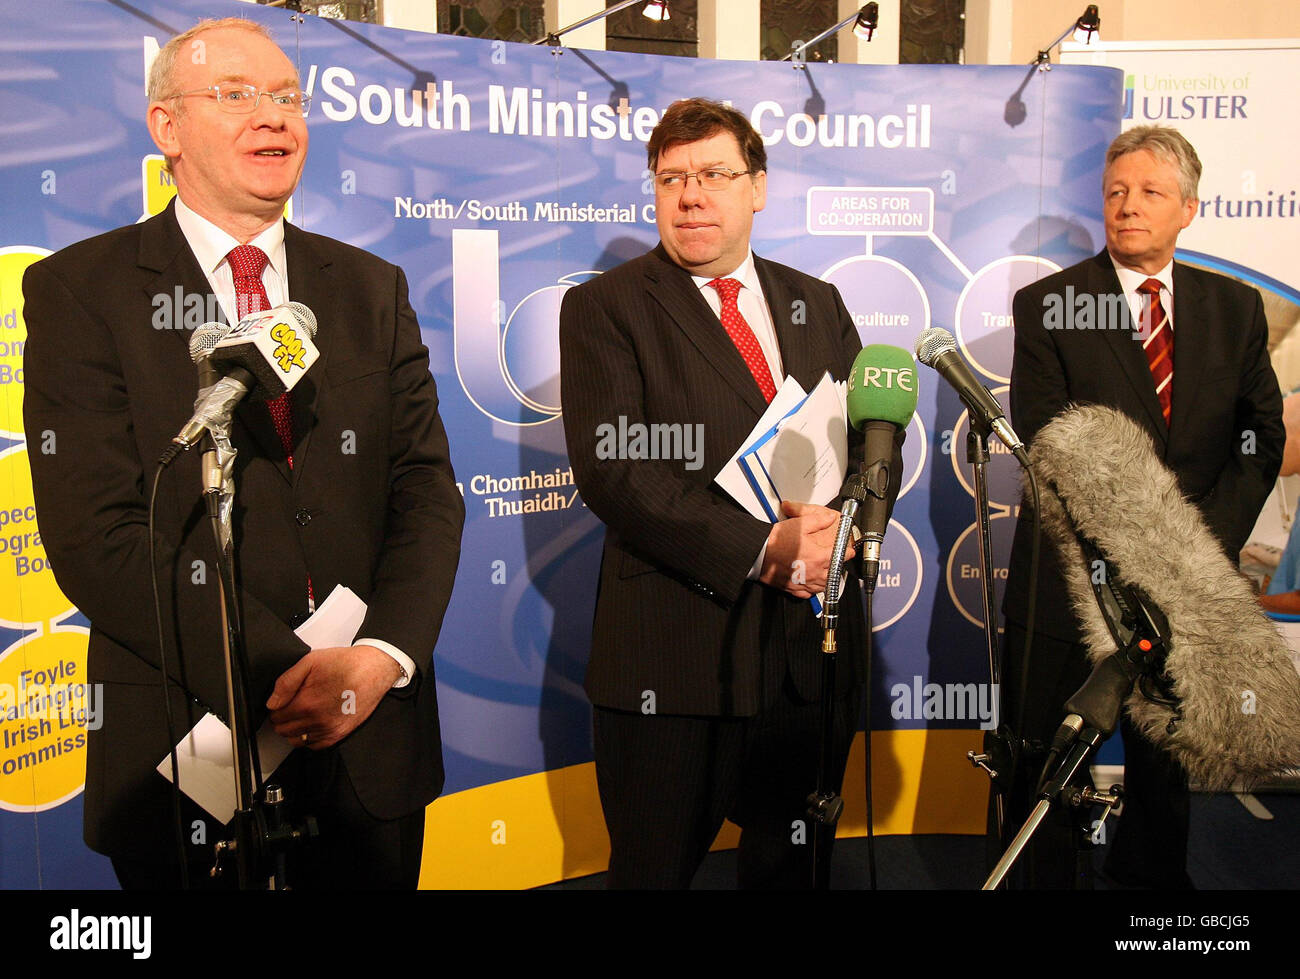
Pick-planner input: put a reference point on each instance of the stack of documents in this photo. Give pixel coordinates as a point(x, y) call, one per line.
point(798, 451)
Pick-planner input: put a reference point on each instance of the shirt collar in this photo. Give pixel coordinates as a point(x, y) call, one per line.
point(745, 272)
point(1130, 279)
point(211, 244)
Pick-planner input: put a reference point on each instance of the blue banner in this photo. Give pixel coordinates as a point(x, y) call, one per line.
point(499, 175)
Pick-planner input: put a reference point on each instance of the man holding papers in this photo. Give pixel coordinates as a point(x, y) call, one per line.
point(348, 482)
point(704, 670)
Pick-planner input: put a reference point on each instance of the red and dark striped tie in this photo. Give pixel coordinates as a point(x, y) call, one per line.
point(743, 336)
point(1159, 344)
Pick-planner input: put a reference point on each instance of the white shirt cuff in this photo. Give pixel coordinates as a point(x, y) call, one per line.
point(405, 662)
point(757, 569)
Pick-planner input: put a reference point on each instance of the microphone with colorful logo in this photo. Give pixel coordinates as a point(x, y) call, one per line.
point(264, 355)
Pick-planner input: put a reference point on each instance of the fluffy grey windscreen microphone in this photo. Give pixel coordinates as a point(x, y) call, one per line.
point(1238, 689)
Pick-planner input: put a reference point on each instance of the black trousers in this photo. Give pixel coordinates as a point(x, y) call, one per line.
point(1149, 847)
point(667, 782)
point(353, 851)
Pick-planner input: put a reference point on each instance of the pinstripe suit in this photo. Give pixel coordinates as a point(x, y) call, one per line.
point(679, 630)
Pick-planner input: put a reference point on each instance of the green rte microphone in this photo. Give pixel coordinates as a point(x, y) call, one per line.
point(882, 386)
point(881, 402)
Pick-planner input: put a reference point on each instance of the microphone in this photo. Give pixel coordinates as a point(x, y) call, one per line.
point(881, 400)
point(201, 344)
point(263, 356)
point(273, 347)
point(1215, 686)
point(936, 348)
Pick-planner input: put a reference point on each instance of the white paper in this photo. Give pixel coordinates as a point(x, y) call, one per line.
point(806, 459)
point(732, 478)
point(813, 459)
point(335, 621)
point(205, 758)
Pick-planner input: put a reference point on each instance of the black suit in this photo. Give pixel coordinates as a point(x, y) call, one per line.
point(370, 502)
point(1223, 390)
point(679, 630)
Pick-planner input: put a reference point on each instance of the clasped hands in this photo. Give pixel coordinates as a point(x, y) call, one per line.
point(798, 552)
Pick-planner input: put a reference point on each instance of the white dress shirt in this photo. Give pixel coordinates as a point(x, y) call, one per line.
point(1130, 279)
point(210, 246)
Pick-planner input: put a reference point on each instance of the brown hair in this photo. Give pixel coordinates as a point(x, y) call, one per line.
point(689, 120)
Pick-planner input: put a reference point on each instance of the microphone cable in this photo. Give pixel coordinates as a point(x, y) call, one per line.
point(871, 835)
point(166, 686)
point(1030, 612)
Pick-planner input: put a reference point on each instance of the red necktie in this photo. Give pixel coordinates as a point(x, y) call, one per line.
point(743, 337)
point(1159, 345)
point(247, 262)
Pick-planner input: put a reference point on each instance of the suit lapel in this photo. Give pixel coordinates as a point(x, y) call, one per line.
point(311, 284)
point(164, 251)
point(672, 288)
point(796, 354)
point(1126, 346)
point(1189, 347)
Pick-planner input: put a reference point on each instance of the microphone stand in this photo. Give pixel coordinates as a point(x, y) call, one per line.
point(824, 805)
point(1140, 631)
point(977, 454)
point(1059, 791)
point(1093, 716)
point(261, 832)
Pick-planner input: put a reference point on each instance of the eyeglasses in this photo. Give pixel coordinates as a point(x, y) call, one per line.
point(714, 178)
point(243, 99)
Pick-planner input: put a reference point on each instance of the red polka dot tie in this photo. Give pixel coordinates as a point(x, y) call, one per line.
point(247, 262)
point(1159, 345)
point(743, 337)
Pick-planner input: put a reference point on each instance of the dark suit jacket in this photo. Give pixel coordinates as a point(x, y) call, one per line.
point(1223, 388)
point(675, 616)
point(371, 502)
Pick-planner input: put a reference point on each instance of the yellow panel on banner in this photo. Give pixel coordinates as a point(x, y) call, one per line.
point(543, 828)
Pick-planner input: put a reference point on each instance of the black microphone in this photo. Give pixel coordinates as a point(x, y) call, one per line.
point(881, 400)
point(263, 356)
point(936, 348)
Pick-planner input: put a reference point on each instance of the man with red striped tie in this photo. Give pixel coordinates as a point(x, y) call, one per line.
point(704, 670)
point(1184, 353)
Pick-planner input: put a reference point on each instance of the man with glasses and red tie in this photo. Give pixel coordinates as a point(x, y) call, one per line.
point(345, 480)
point(1187, 359)
point(704, 671)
